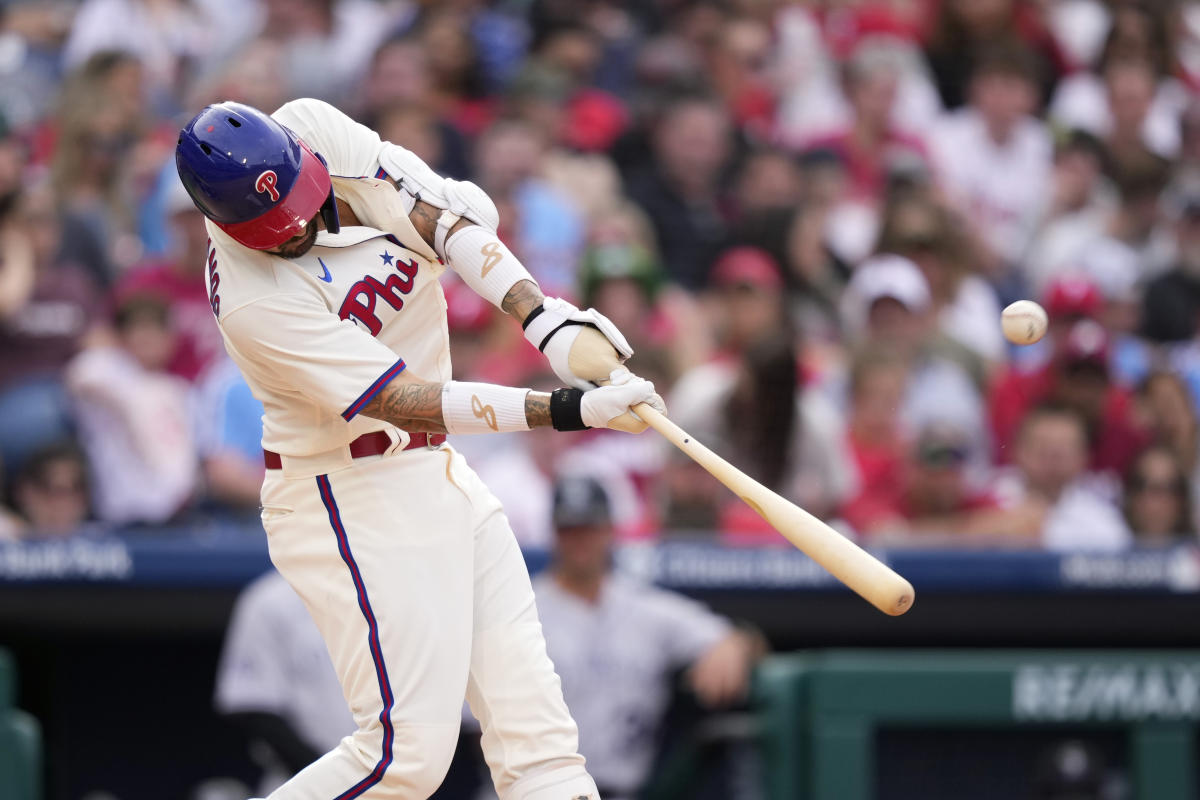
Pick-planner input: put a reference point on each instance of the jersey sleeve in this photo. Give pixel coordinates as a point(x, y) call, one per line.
point(353, 150)
point(295, 344)
point(348, 147)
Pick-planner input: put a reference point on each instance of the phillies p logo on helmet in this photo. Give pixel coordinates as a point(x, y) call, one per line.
point(266, 183)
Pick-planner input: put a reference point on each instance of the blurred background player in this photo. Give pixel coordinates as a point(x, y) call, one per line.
point(617, 643)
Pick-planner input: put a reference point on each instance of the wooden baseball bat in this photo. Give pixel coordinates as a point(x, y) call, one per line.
point(873, 580)
point(868, 576)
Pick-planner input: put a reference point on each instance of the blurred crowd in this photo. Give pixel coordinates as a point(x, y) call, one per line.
point(805, 216)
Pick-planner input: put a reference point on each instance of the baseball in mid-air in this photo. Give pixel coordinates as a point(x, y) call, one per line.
point(1024, 322)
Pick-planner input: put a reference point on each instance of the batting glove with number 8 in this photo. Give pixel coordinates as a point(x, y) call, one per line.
point(578, 344)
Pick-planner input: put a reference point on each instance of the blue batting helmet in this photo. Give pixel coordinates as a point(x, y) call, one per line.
point(252, 176)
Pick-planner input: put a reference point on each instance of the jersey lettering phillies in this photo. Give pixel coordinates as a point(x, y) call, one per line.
point(317, 337)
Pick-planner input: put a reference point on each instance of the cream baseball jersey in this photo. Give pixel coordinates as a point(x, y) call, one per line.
point(318, 336)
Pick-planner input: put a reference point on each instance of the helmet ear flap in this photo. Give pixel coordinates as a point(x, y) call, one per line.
point(329, 212)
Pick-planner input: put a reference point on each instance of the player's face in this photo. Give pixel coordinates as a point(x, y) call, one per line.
point(301, 243)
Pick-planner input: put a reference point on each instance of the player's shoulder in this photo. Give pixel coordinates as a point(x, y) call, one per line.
point(305, 112)
point(237, 276)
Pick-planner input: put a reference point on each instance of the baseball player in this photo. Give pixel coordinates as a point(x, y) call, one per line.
point(326, 246)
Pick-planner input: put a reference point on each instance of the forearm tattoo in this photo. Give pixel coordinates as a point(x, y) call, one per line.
point(424, 218)
point(522, 298)
point(537, 409)
point(413, 407)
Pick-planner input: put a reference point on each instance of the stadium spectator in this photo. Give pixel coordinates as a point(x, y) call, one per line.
point(543, 226)
point(1138, 35)
point(738, 67)
point(814, 276)
point(745, 297)
point(1172, 300)
point(49, 307)
point(756, 412)
point(616, 643)
point(228, 432)
point(456, 68)
point(622, 281)
point(887, 305)
point(327, 44)
point(993, 157)
point(1080, 204)
point(167, 38)
point(253, 74)
point(29, 76)
point(134, 418)
point(876, 436)
point(1135, 224)
point(935, 504)
point(934, 238)
point(1048, 499)
point(1079, 378)
point(680, 192)
point(99, 158)
point(1167, 408)
point(870, 144)
point(766, 181)
point(51, 492)
point(1158, 503)
point(1080, 195)
point(179, 281)
point(963, 28)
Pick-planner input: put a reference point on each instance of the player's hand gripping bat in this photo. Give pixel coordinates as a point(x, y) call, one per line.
point(868, 576)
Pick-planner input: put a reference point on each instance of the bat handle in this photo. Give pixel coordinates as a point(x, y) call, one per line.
point(657, 420)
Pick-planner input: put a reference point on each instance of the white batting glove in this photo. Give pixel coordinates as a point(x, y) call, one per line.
point(578, 344)
point(610, 406)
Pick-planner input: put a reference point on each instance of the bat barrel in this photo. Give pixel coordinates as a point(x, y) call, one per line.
point(873, 580)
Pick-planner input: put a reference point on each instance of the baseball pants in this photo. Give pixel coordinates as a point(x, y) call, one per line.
point(410, 570)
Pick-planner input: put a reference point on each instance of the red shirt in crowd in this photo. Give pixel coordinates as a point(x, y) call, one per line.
point(1114, 445)
point(198, 340)
point(881, 482)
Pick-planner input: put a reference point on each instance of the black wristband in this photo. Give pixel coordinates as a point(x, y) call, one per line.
point(565, 410)
point(537, 312)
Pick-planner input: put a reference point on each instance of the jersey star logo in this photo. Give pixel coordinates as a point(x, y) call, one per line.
point(326, 277)
point(387, 257)
point(492, 251)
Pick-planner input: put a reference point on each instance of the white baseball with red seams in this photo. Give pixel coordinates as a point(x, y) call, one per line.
point(405, 560)
point(1024, 322)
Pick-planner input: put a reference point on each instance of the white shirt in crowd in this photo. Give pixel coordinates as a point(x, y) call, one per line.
point(972, 319)
point(615, 659)
point(1081, 101)
point(821, 472)
point(274, 661)
point(1001, 186)
point(137, 430)
point(1081, 519)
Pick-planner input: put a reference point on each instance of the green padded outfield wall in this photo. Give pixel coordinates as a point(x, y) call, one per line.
point(821, 711)
point(20, 741)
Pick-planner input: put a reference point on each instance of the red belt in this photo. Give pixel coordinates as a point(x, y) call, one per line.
point(370, 444)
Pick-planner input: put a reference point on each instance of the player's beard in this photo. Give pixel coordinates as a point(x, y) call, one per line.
point(295, 248)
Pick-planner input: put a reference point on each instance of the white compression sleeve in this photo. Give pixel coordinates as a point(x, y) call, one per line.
point(485, 263)
point(483, 408)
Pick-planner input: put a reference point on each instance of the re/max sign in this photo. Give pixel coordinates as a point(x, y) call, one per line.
point(1059, 692)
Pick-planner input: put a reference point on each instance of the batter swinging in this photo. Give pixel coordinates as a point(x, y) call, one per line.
point(326, 245)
